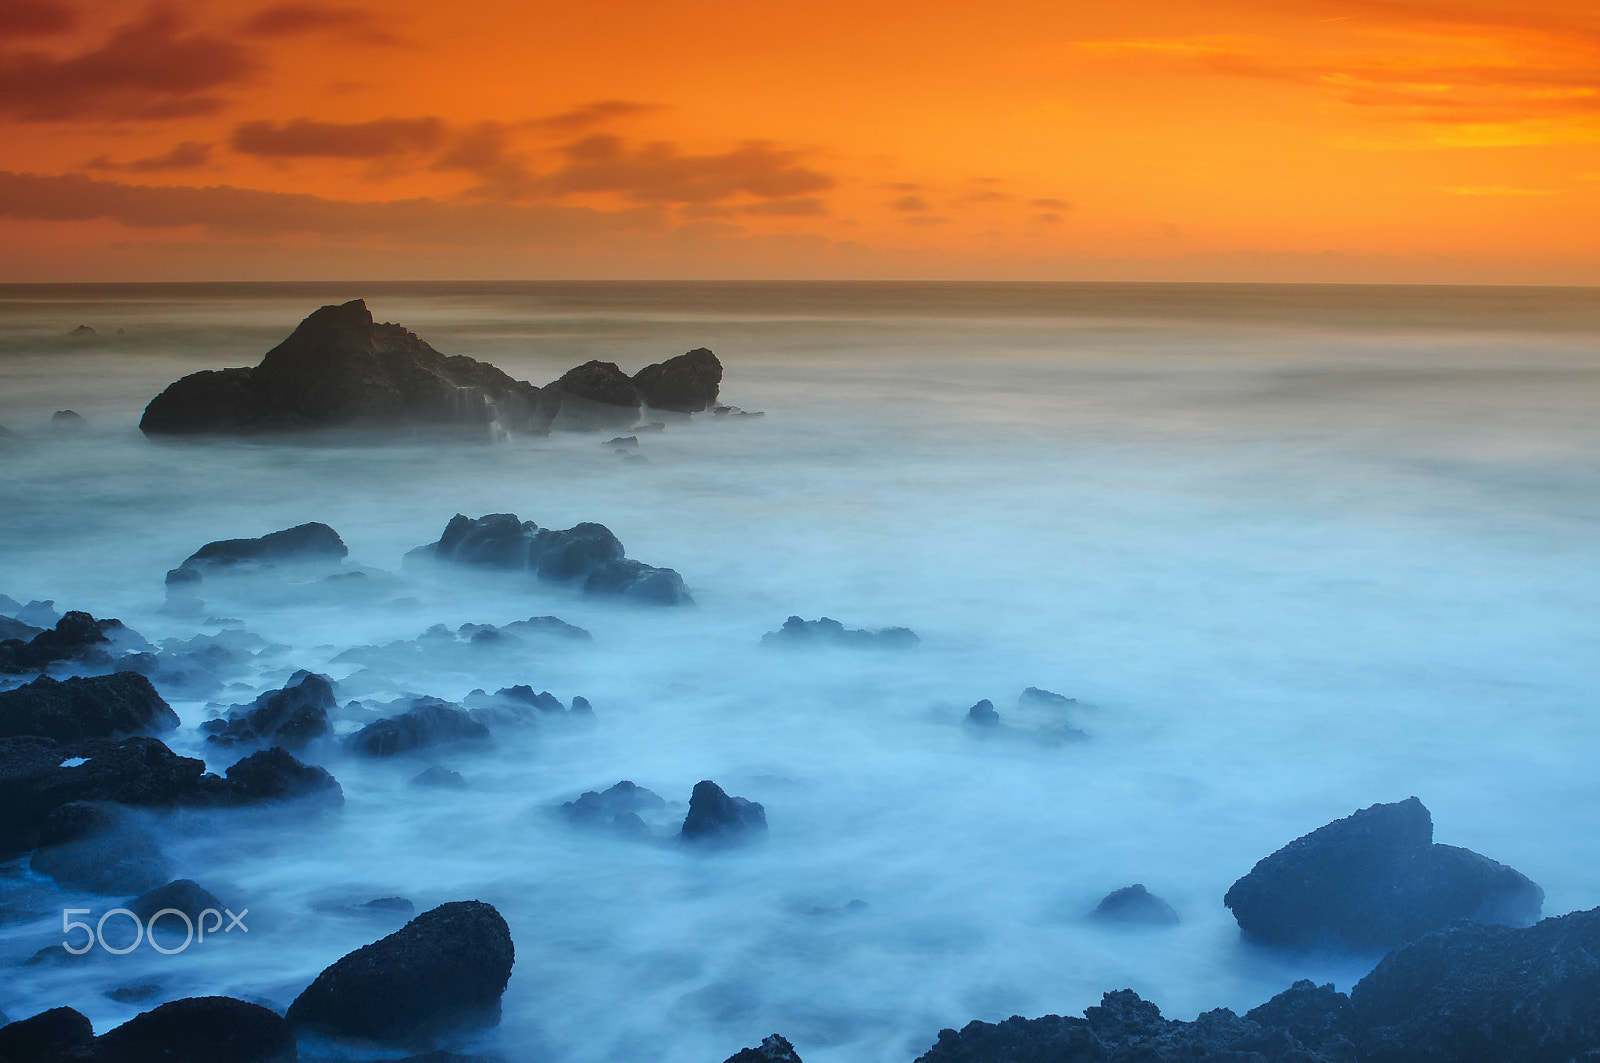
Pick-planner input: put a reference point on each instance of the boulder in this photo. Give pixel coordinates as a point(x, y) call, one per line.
point(983, 714)
point(617, 806)
point(291, 716)
point(60, 1035)
point(276, 775)
point(104, 706)
point(443, 971)
point(440, 776)
point(638, 582)
point(41, 614)
point(1134, 904)
point(312, 544)
point(430, 722)
point(98, 848)
point(183, 895)
point(201, 1030)
point(77, 636)
point(340, 369)
point(773, 1049)
point(1373, 880)
point(717, 819)
point(67, 421)
point(591, 397)
point(826, 631)
point(688, 383)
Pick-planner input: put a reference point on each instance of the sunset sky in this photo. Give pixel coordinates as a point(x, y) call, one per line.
point(1341, 140)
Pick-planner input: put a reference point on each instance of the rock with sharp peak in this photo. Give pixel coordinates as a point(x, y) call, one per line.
point(688, 383)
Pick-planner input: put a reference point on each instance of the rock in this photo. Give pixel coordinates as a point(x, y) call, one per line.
point(104, 706)
point(581, 706)
point(304, 544)
point(59, 1035)
point(1034, 697)
point(443, 971)
point(389, 904)
point(716, 818)
point(983, 714)
point(587, 553)
point(339, 369)
point(686, 384)
point(9, 606)
point(291, 716)
point(623, 442)
point(441, 777)
point(1373, 880)
point(82, 330)
point(430, 722)
point(591, 397)
point(617, 806)
point(16, 629)
point(773, 1049)
point(93, 847)
point(39, 614)
point(134, 994)
point(276, 775)
point(67, 421)
point(829, 632)
point(201, 1030)
point(184, 895)
point(1134, 904)
point(77, 636)
point(1489, 993)
point(549, 627)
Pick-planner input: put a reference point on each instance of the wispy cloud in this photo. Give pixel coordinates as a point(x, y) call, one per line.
point(185, 156)
point(308, 138)
point(1497, 190)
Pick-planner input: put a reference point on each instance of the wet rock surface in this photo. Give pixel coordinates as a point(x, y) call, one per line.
point(715, 818)
point(1134, 905)
point(430, 722)
point(774, 1049)
point(201, 1030)
point(688, 383)
point(91, 707)
point(77, 636)
point(292, 716)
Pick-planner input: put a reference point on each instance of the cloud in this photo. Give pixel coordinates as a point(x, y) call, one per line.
point(910, 203)
point(926, 219)
point(809, 206)
point(662, 173)
point(289, 20)
point(185, 156)
point(302, 138)
point(1497, 190)
point(227, 212)
point(26, 18)
point(1052, 204)
point(147, 69)
point(589, 115)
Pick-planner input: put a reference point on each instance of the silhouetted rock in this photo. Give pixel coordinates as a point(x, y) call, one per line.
point(67, 421)
point(68, 710)
point(587, 554)
point(1373, 880)
point(184, 895)
point(40, 614)
point(715, 817)
point(983, 714)
point(430, 722)
point(82, 330)
point(291, 716)
point(593, 396)
point(1134, 904)
point(276, 775)
point(77, 636)
point(1034, 697)
point(441, 777)
point(98, 848)
point(60, 1035)
point(548, 627)
point(829, 632)
point(339, 369)
point(443, 971)
point(201, 1030)
point(623, 442)
point(617, 806)
point(686, 384)
point(773, 1049)
point(304, 544)
point(16, 629)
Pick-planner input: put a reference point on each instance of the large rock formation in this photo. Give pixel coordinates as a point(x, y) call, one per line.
point(430, 722)
point(339, 369)
point(774, 1049)
point(715, 818)
point(200, 1030)
point(592, 397)
point(688, 383)
point(1373, 880)
point(102, 706)
point(290, 717)
point(77, 636)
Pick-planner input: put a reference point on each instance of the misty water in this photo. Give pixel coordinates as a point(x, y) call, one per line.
point(1294, 550)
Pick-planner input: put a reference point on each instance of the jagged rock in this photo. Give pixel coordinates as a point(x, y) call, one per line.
point(1134, 904)
point(1035, 697)
point(773, 1049)
point(714, 817)
point(201, 1030)
point(184, 895)
point(686, 384)
point(430, 722)
point(339, 369)
point(68, 710)
point(93, 847)
point(983, 714)
point(585, 553)
point(623, 442)
point(291, 716)
point(276, 775)
point(440, 776)
point(60, 1035)
point(443, 971)
point(41, 614)
point(77, 636)
point(829, 632)
point(304, 544)
point(593, 396)
point(1373, 880)
point(617, 807)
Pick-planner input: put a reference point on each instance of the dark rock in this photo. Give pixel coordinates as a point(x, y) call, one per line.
point(312, 543)
point(339, 369)
point(16, 629)
point(67, 420)
point(591, 397)
point(639, 582)
point(581, 706)
point(41, 614)
point(184, 895)
point(103, 706)
point(1318, 1016)
point(82, 330)
point(1036, 697)
point(430, 722)
point(549, 626)
point(97, 848)
point(829, 632)
point(623, 442)
point(276, 775)
point(134, 994)
point(440, 776)
point(54, 1036)
point(686, 384)
point(617, 806)
point(201, 1030)
point(1134, 904)
point(77, 636)
point(443, 971)
point(292, 716)
point(1373, 880)
point(714, 817)
point(773, 1049)
point(983, 714)
point(734, 411)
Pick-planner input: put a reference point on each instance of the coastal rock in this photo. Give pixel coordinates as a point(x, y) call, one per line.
point(1373, 880)
point(688, 383)
point(638, 582)
point(443, 971)
point(69, 710)
point(1134, 904)
point(183, 895)
point(617, 806)
point(829, 632)
point(15, 629)
point(339, 369)
point(93, 847)
point(773, 1049)
point(292, 716)
point(200, 1030)
point(60, 1035)
point(591, 397)
point(304, 544)
point(277, 775)
point(430, 722)
point(718, 819)
point(77, 636)
point(67, 421)
point(441, 777)
point(983, 714)
point(41, 614)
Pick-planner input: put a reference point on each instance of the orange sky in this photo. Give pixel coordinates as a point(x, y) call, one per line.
point(1345, 140)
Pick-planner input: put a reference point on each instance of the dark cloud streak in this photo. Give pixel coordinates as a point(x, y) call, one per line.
point(302, 138)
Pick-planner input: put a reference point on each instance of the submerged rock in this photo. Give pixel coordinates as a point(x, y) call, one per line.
point(983, 714)
point(200, 1030)
point(688, 383)
point(98, 848)
point(440, 776)
point(444, 971)
point(339, 369)
point(1373, 880)
point(184, 895)
point(68, 710)
point(1134, 904)
point(430, 722)
point(829, 632)
point(277, 775)
point(292, 716)
point(716, 818)
point(617, 806)
point(773, 1049)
